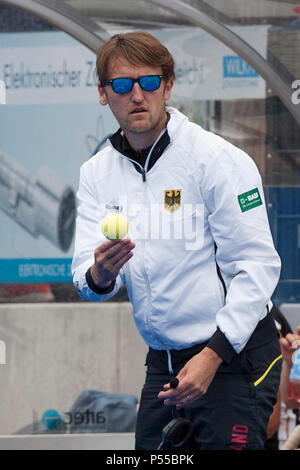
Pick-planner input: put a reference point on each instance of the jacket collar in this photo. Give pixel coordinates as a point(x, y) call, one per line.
point(121, 144)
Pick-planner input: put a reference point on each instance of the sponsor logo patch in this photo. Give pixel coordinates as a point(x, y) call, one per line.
point(249, 200)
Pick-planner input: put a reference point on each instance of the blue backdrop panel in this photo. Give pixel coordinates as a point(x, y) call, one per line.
point(283, 205)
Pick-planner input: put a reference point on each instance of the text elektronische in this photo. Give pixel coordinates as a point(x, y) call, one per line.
point(21, 76)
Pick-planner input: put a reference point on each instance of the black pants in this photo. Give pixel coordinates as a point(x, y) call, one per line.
point(234, 412)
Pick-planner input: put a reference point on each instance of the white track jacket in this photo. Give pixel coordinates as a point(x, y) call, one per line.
point(204, 262)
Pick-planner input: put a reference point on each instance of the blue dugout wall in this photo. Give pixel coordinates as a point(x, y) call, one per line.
point(283, 205)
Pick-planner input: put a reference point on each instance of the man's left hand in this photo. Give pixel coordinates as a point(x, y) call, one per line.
point(194, 379)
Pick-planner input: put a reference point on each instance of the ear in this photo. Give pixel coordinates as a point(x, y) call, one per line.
point(103, 100)
point(168, 88)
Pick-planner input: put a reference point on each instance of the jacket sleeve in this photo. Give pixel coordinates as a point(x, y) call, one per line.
point(248, 262)
point(87, 237)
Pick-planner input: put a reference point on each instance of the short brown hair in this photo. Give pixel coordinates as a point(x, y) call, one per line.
point(138, 48)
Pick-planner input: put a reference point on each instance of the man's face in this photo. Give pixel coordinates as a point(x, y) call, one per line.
point(138, 111)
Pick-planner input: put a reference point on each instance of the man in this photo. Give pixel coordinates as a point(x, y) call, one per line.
point(199, 276)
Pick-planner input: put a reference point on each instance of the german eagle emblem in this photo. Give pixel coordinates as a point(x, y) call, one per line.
point(172, 199)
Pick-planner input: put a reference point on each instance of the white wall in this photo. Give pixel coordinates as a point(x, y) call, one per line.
point(55, 351)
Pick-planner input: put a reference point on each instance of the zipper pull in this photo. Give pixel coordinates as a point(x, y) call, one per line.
point(144, 174)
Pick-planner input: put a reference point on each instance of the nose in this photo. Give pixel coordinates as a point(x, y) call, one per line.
point(137, 93)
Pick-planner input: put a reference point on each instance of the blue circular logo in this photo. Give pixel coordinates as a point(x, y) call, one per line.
point(51, 419)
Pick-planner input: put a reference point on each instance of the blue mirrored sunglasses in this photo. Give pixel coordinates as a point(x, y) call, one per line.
point(125, 84)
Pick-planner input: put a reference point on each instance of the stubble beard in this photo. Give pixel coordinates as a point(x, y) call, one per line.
point(152, 122)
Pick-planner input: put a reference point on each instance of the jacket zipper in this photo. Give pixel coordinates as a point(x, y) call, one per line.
point(147, 285)
point(220, 275)
point(144, 171)
point(145, 167)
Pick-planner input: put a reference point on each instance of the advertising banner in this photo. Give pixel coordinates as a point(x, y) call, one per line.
point(52, 122)
point(206, 69)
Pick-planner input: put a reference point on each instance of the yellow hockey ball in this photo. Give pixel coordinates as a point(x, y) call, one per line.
point(114, 226)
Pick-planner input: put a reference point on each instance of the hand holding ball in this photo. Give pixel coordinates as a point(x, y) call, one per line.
point(114, 226)
point(111, 255)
